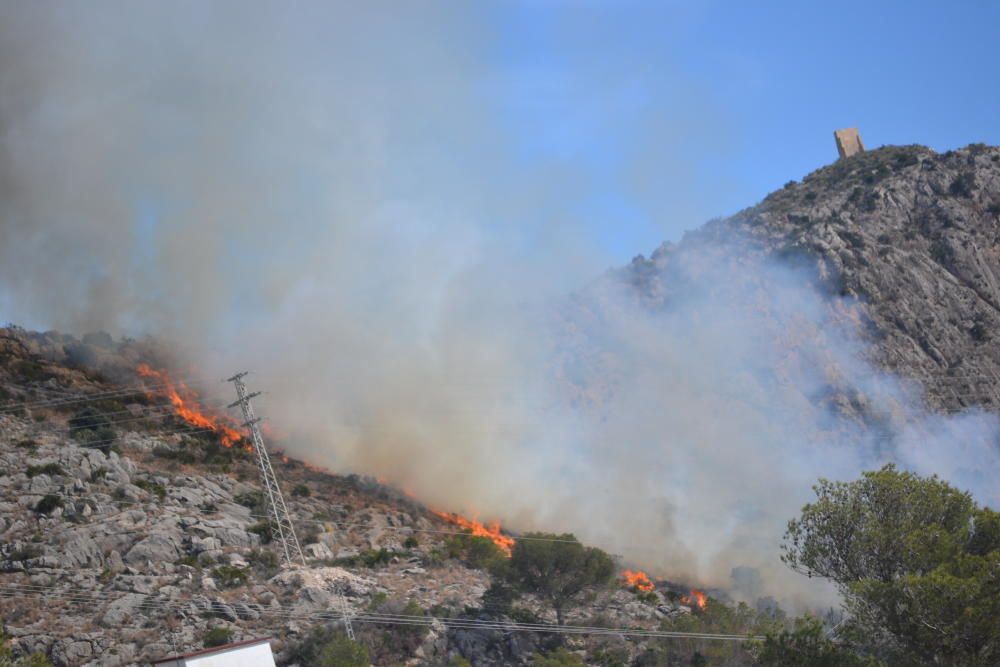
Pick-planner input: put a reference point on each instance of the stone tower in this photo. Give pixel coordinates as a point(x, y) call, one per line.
point(848, 142)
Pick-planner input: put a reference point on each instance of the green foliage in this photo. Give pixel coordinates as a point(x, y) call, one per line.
point(963, 184)
point(189, 560)
point(230, 575)
point(263, 561)
point(48, 504)
point(325, 646)
point(475, 551)
point(375, 557)
point(389, 646)
point(91, 428)
point(27, 443)
point(342, 652)
point(717, 618)
point(647, 597)
point(51, 469)
point(252, 499)
point(151, 487)
point(557, 568)
point(301, 491)
point(560, 657)
point(806, 646)
point(265, 529)
point(498, 598)
point(915, 560)
point(7, 658)
point(411, 542)
point(217, 637)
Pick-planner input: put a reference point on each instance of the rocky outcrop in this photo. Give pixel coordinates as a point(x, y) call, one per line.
point(913, 235)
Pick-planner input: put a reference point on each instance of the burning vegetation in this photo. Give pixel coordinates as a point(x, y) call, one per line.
point(696, 598)
point(186, 405)
point(492, 531)
point(638, 580)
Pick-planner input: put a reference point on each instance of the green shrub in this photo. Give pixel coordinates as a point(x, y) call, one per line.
point(229, 576)
point(475, 551)
point(327, 647)
point(265, 529)
point(342, 652)
point(557, 658)
point(252, 499)
point(266, 562)
point(411, 542)
point(152, 487)
point(396, 645)
point(374, 558)
point(217, 637)
point(27, 443)
point(648, 597)
point(48, 504)
point(7, 656)
point(51, 469)
point(301, 491)
point(189, 560)
point(963, 185)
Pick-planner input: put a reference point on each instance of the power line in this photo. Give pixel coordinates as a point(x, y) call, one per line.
point(102, 396)
point(287, 613)
point(156, 412)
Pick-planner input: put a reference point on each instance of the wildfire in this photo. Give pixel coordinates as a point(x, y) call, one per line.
point(480, 530)
point(185, 402)
point(696, 597)
point(638, 579)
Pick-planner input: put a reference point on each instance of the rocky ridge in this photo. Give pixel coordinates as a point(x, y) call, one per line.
point(913, 235)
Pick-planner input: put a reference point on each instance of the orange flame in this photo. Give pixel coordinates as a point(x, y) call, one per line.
point(480, 530)
point(696, 597)
point(185, 402)
point(638, 579)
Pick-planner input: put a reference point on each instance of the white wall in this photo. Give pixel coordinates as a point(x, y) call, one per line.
point(257, 655)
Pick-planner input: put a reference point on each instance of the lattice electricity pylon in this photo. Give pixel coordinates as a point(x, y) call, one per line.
point(286, 539)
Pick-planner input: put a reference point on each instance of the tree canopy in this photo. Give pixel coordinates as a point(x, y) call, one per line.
point(917, 561)
point(557, 568)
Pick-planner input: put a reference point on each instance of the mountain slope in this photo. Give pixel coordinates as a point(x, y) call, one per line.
point(914, 235)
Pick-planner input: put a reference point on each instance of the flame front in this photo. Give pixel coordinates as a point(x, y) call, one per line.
point(492, 531)
point(185, 402)
point(638, 579)
point(697, 597)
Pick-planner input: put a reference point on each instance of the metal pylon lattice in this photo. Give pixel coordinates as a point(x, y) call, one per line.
point(291, 552)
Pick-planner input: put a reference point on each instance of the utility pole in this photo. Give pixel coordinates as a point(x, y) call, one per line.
point(278, 511)
point(291, 552)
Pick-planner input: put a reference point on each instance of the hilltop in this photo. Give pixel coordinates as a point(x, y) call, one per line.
point(912, 235)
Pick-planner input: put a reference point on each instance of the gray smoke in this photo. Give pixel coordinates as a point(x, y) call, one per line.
point(326, 197)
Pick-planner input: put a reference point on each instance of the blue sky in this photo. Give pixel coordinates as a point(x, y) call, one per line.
point(730, 100)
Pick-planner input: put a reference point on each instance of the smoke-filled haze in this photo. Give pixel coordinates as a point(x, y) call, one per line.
point(330, 198)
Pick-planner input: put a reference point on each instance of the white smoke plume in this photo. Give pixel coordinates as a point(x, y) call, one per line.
point(279, 190)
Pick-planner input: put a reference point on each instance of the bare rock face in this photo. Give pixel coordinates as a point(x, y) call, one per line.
point(914, 236)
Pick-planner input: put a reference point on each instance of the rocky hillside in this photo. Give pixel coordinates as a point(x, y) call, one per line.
point(914, 235)
point(125, 536)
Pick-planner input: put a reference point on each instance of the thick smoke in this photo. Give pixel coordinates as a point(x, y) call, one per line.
point(327, 198)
